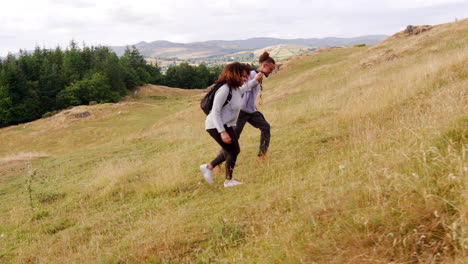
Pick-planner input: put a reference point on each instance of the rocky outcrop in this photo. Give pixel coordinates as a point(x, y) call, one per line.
point(415, 30)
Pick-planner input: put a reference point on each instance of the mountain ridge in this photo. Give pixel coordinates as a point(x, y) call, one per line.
point(224, 47)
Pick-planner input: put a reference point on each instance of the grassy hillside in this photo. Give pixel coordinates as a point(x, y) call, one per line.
point(367, 165)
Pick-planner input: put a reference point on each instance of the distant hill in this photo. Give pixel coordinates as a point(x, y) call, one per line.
point(166, 49)
point(279, 52)
point(257, 43)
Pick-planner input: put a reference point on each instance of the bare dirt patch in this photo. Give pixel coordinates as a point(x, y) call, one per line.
point(14, 165)
point(12, 168)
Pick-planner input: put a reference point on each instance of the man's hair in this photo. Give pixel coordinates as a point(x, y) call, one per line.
point(232, 74)
point(265, 57)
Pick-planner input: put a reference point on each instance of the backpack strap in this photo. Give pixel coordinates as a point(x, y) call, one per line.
point(229, 97)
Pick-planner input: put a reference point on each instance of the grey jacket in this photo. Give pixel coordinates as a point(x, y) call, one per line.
point(227, 115)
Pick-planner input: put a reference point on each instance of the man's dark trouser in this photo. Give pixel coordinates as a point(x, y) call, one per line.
point(257, 120)
point(228, 153)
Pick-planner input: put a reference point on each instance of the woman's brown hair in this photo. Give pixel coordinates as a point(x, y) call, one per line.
point(232, 74)
point(265, 57)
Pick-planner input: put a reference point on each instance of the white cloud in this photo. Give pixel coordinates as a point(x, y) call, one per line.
point(26, 23)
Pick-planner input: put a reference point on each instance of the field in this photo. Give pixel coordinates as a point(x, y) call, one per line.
point(367, 164)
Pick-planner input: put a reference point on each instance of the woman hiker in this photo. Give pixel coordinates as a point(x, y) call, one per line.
point(223, 117)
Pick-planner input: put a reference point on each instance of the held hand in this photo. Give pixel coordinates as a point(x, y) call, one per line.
point(225, 137)
point(259, 77)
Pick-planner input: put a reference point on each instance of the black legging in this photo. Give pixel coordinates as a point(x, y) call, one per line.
point(257, 120)
point(230, 151)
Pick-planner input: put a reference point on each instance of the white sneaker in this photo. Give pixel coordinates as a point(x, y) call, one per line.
point(232, 183)
point(206, 173)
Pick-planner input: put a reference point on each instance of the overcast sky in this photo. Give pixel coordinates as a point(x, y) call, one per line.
point(25, 24)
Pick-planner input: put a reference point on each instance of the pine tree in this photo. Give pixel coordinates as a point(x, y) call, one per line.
point(51, 83)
